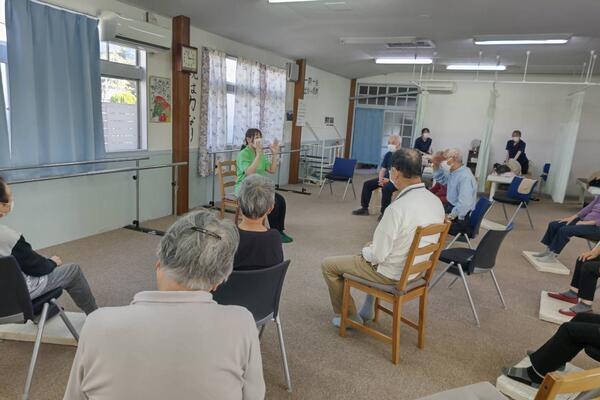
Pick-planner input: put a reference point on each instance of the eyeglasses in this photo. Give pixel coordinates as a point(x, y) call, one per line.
point(206, 232)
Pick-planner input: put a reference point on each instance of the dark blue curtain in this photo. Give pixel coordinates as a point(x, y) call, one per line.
point(367, 135)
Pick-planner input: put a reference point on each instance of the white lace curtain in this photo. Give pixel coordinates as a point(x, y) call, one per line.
point(213, 108)
point(259, 100)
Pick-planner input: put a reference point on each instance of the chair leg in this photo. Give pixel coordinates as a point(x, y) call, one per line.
point(590, 245)
point(376, 317)
point(453, 241)
point(262, 330)
point(422, 315)
point(464, 279)
point(286, 368)
point(331, 188)
point(397, 314)
point(66, 320)
point(489, 209)
point(452, 283)
point(469, 242)
point(222, 213)
point(510, 221)
point(36, 349)
point(437, 278)
point(345, 305)
point(498, 288)
point(346, 189)
point(322, 186)
point(529, 216)
point(353, 189)
point(504, 209)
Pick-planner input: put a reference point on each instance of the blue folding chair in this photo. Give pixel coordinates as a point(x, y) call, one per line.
point(543, 177)
point(512, 196)
point(342, 171)
point(472, 229)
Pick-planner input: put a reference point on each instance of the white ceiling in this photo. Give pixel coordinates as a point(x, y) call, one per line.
point(312, 30)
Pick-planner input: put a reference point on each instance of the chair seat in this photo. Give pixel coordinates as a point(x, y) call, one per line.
point(230, 198)
point(457, 255)
point(477, 391)
point(392, 289)
point(502, 198)
point(38, 303)
point(337, 178)
point(593, 352)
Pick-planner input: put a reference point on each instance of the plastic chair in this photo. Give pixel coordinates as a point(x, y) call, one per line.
point(226, 170)
point(543, 177)
point(258, 290)
point(16, 307)
point(413, 284)
point(476, 217)
point(463, 262)
point(342, 171)
point(512, 196)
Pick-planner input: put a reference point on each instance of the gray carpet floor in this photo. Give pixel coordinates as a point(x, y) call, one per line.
point(323, 365)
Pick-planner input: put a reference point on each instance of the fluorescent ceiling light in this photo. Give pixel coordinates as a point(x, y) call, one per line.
point(403, 60)
point(491, 40)
point(377, 40)
point(290, 1)
point(475, 67)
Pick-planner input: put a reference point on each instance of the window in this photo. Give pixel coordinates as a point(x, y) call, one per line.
point(4, 66)
point(123, 97)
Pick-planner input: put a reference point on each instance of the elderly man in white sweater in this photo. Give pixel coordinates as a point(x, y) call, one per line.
point(383, 260)
point(176, 342)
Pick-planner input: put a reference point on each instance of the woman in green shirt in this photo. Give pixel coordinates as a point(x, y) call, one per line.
point(252, 160)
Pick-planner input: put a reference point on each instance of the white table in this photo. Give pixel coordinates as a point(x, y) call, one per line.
point(583, 184)
point(495, 180)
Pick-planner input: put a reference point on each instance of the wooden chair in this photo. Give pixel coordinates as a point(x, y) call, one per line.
point(227, 172)
point(400, 293)
point(576, 382)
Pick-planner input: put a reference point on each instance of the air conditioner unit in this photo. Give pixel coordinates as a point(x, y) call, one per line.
point(146, 36)
point(437, 87)
point(293, 71)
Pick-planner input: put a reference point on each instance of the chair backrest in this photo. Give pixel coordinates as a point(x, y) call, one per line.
point(425, 268)
point(15, 303)
point(227, 172)
point(481, 208)
point(575, 382)
point(258, 290)
point(513, 190)
point(487, 249)
point(545, 172)
point(343, 167)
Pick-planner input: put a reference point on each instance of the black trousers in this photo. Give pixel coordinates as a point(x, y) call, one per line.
point(277, 216)
point(386, 193)
point(559, 233)
point(585, 277)
point(572, 337)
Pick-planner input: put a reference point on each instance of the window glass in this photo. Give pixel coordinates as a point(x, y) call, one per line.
point(120, 114)
point(122, 54)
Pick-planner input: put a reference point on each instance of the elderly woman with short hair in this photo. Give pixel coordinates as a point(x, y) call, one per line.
point(259, 247)
point(176, 342)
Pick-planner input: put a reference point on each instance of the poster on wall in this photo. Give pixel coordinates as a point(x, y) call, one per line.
point(301, 114)
point(194, 106)
point(160, 99)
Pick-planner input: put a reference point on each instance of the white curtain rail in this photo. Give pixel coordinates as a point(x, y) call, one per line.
point(74, 163)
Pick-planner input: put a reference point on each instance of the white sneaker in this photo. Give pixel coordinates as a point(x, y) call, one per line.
point(548, 259)
point(542, 253)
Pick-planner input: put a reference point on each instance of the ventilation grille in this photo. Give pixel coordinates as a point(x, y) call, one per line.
point(417, 44)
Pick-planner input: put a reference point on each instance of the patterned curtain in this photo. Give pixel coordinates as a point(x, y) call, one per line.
point(272, 102)
point(213, 109)
point(247, 99)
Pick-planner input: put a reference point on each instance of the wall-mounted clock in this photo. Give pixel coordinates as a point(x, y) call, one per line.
point(188, 59)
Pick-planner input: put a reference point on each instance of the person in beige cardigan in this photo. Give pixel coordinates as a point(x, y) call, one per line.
point(175, 342)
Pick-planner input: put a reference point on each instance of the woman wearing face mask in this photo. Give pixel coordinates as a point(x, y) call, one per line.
point(423, 142)
point(41, 274)
point(252, 160)
point(515, 149)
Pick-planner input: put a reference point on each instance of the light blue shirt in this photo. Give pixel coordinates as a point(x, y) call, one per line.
point(462, 189)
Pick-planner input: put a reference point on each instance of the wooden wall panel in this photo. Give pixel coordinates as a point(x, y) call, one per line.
point(297, 130)
point(350, 119)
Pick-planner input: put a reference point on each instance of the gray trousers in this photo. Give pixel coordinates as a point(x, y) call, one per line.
point(71, 278)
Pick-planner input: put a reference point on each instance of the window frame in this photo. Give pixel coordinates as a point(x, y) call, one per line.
point(137, 73)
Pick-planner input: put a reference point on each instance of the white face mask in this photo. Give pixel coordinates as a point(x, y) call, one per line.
point(445, 166)
point(391, 147)
point(516, 139)
point(425, 135)
point(258, 142)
